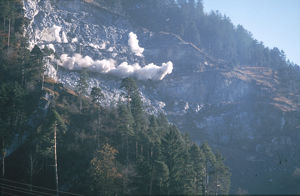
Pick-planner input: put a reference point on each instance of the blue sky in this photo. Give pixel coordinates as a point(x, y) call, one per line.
point(274, 22)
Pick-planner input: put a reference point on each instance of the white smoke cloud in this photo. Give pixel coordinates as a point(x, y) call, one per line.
point(76, 62)
point(154, 72)
point(133, 43)
point(109, 66)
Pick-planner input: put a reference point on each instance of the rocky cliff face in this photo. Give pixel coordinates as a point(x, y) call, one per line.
point(249, 113)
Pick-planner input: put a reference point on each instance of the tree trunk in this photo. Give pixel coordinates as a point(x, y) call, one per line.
point(127, 153)
point(151, 180)
point(3, 158)
point(8, 41)
point(80, 103)
point(205, 181)
point(98, 128)
point(55, 159)
point(43, 79)
point(217, 185)
point(23, 75)
point(125, 180)
point(151, 184)
point(136, 150)
point(31, 170)
point(3, 165)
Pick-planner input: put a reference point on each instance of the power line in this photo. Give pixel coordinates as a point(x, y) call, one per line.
point(24, 189)
point(7, 193)
point(15, 190)
point(39, 187)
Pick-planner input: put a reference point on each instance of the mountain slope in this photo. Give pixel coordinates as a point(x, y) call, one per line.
point(248, 110)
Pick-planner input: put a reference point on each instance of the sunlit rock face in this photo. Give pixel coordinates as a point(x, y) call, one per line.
point(249, 113)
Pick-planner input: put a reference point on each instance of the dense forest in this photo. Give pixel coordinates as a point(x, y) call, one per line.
point(69, 142)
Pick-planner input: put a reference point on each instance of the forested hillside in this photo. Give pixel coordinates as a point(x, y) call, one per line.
point(67, 141)
point(212, 32)
point(93, 94)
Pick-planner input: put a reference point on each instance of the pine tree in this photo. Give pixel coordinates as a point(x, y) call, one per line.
point(82, 86)
point(56, 122)
point(133, 96)
point(143, 177)
point(34, 70)
point(125, 127)
point(210, 161)
point(105, 174)
point(11, 104)
point(221, 176)
point(97, 95)
point(172, 152)
point(160, 178)
point(198, 160)
point(136, 106)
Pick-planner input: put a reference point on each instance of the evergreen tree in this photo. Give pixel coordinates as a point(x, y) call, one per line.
point(11, 104)
point(221, 176)
point(160, 177)
point(198, 160)
point(210, 161)
point(143, 178)
point(96, 95)
point(125, 128)
point(172, 152)
point(136, 106)
point(56, 122)
point(105, 174)
point(34, 71)
point(82, 86)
